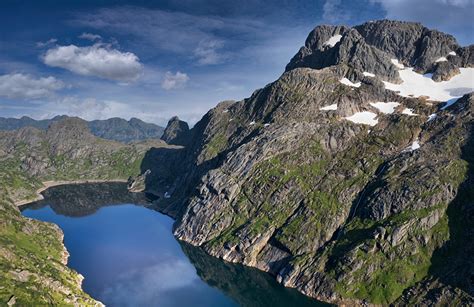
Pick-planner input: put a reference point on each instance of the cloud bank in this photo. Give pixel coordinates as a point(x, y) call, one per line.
point(90, 36)
point(174, 81)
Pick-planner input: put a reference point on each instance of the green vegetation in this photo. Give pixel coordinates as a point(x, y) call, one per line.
point(215, 146)
point(31, 262)
point(380, 275)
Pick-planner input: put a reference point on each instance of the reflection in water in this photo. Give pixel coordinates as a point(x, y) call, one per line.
point(129, 256)
point(247, 286)
point(85, 199)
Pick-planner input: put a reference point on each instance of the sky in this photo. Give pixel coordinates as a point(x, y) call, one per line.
point(156, 59)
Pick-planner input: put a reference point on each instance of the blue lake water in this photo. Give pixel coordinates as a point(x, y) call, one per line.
point(129, 257)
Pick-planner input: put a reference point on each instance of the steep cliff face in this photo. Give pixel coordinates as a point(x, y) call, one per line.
point(338, 178)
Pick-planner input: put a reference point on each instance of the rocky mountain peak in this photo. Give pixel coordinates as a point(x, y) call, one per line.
point(176, 132)
point(373, 47)
point(69, 125)
point(65, 135)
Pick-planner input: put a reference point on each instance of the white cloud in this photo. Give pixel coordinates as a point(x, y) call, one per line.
point(97, 60)
point(173, 81)
point(196, 36)
point(334, 12)
point(47, 43)
point(207, 52)
point(90, 36)
point(21, 86)
point(154, 283)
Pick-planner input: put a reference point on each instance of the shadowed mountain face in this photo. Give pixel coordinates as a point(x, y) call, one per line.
point(451, 278)
point(247, 286)
point(340, 177)
point(116, 129)
point(176, 132)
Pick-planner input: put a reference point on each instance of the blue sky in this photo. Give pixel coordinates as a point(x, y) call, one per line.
point(156, 59)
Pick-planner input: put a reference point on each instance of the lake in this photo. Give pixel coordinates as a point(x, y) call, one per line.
point(129, 256)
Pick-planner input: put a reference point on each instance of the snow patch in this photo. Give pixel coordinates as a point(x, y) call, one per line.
point(331, 107)
point(348, 82)
point(226, 111)
point(409, 112)
point(414, 146)
point(415, 84)
point(366, 118)
point(441, 59)
point(266, 125)
point(397, 63)
point(385, 107)
point(432, 116)
point(368, 74)
point(333, 40)
point(252, 123)
point(452, 53)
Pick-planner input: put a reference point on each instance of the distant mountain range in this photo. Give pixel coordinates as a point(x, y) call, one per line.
point(117, 129)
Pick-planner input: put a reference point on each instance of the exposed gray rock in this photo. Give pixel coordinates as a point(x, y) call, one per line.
point(371, 46)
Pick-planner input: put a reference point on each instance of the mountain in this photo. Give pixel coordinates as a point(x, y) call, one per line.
point(116, 129)
point(350, 178)
point(176, 132)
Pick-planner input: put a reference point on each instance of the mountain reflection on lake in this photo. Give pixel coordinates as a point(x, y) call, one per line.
point(129, 257)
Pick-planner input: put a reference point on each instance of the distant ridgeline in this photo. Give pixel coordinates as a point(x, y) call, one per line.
point(116, 129)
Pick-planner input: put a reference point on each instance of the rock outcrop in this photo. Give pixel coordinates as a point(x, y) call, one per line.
point(176, 132)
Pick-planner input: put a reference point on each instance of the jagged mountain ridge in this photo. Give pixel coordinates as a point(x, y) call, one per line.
point(343, 209)
point(116, 129)
point(371, 46)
